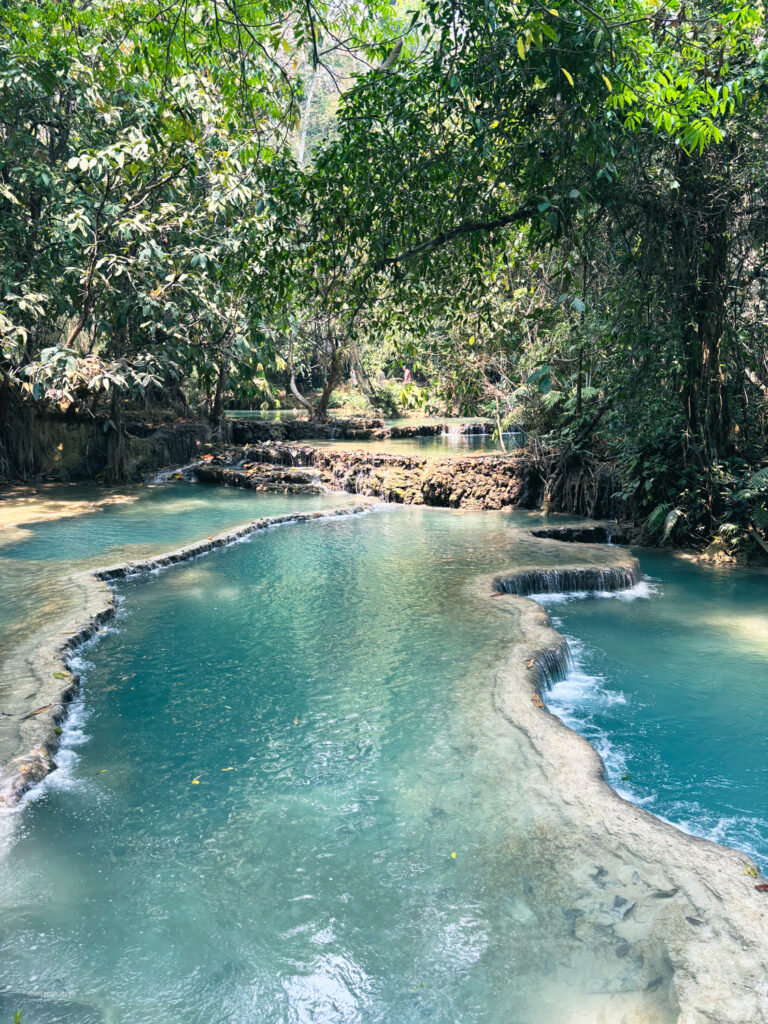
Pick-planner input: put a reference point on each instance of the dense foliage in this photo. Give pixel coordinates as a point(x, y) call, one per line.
point(552, 215)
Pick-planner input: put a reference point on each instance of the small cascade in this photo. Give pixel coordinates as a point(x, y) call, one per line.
point(174, 473)
point(583, 534)
point(563, 580)
point(553, 664)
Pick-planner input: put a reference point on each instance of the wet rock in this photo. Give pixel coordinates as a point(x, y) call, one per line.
point(471, 482)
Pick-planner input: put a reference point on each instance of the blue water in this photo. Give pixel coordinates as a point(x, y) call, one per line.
point(672, 689)
point(287, 796)
point(158, 518)
point(439, 444)
point(282, 745)
point(38, 566)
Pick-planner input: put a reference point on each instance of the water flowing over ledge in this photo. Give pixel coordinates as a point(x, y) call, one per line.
point(565, 579)
point(488, 481)
point(58, 681)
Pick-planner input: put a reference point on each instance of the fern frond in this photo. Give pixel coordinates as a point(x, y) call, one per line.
point(670, 522)
point(656, 519)
point(759, 480)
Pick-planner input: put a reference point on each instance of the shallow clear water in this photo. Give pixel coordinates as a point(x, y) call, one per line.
point(159, 518)
point(672, 689)
point(280, 749)
point(37, 560)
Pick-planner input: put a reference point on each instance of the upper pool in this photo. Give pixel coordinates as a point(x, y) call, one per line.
point(439, 444)
point(40, 595)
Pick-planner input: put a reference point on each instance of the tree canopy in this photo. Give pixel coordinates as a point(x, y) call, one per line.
point(554, 214)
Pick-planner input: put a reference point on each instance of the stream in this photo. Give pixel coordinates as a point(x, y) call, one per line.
point(286, 793)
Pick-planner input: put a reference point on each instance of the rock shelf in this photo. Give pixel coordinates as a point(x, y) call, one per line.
point(470, 482)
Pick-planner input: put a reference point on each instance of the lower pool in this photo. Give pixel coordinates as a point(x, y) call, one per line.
point(670, 684)
point(287, 795)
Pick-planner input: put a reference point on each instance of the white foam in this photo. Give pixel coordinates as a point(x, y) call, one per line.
point(576, 699)
point(647, 587)
point(73, 735)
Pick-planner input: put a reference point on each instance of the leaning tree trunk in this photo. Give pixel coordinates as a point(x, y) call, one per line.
point(304, 402)
point(334, 372)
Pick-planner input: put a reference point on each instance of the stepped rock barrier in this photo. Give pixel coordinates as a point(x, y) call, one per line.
point(599, 533)
point(451, 481)
point(253, 430)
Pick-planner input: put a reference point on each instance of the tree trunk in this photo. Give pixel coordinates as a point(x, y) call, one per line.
point(300, 398)
point(217, 409)
point(330, 383)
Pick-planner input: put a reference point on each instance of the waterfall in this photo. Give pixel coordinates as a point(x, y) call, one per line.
point(561, 581)
point(175, 473)
point(553, 664)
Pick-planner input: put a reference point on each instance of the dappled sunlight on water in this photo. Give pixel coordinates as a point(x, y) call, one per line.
point(288, 796)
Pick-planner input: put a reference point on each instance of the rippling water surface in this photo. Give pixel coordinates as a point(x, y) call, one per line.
point(287, 797)
point(37, 560)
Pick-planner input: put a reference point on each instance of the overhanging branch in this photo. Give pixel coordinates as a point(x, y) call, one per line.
point(466, 228)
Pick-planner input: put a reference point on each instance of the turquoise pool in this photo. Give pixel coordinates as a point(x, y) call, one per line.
point(672, 689)
point(287, 795)
point(279, 800)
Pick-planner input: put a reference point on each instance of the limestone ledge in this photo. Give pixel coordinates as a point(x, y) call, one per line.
point(684, 908)
point(470, 482)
